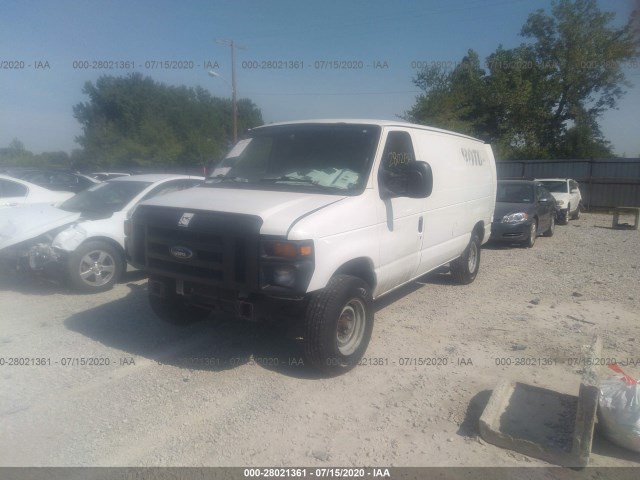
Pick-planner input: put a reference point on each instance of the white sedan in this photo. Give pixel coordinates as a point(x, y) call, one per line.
point(14, 192)
point(84, 236)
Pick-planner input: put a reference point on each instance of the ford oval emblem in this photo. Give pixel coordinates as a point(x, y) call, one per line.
point(181, 253)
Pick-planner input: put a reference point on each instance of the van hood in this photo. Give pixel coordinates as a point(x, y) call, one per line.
point(278, 210)
point(21, 223)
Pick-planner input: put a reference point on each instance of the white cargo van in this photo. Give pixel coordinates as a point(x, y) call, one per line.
point(311, 221)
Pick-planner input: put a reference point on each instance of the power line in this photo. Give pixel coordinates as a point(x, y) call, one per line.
point(405, 92)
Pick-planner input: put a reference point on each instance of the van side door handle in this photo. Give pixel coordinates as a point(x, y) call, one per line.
point(420, 224)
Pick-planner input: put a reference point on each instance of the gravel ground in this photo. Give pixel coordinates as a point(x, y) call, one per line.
point(224, 393)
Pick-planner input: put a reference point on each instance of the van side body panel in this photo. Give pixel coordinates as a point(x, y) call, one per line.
point(404, 238)
point(341, 232)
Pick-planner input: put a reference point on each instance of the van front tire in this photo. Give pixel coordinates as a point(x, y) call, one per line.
point(338, 325)
point(465, 268)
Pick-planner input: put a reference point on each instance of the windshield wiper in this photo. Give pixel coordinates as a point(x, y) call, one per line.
point(290, 179)
point(221, 179)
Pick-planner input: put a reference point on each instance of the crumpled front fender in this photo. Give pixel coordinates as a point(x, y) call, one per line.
point(41, 255)
point(70, 238)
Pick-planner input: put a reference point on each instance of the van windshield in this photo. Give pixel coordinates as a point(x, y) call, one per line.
point(321, 158)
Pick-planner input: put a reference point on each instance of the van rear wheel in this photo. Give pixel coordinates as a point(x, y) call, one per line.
point(465, 268)
point(338, 324)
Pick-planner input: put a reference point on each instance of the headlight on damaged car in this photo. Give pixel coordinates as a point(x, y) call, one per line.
point(70, 238)
point(515, 217)
point(559, 203)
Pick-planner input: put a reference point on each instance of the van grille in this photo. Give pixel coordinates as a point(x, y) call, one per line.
point(222, 249)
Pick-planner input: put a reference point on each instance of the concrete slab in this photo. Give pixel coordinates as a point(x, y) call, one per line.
point(543, 423)
point(635, 211)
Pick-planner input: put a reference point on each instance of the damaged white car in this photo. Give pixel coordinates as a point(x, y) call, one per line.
point(15, 192)
point(82, 238)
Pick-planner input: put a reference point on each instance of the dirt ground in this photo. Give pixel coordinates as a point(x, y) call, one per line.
point(224, 393)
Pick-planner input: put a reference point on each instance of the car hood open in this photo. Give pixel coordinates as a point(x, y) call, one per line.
point(18, 224)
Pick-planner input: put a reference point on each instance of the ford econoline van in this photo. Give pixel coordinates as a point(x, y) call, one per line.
point(311, 222)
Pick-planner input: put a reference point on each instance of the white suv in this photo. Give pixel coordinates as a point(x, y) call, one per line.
point(567, 195)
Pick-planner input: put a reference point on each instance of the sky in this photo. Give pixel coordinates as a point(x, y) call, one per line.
point(286, 66)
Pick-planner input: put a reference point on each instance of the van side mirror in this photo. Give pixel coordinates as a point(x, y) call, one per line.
point(414, 180)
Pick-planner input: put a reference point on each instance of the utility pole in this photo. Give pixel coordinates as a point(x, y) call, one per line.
point(234, 101)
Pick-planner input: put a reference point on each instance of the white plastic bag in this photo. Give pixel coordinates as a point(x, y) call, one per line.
point(619, 410)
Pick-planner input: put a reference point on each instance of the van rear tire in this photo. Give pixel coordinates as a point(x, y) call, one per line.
point(465, 268)
point(338, 325)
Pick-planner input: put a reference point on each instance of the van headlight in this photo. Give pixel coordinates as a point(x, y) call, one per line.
point(286, 266)
point(559, 202)
point(284, 276)
point(515, 217)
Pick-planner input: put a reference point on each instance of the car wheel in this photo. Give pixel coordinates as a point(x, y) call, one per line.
point(565, 217)
point(552, 227)
point(465, 268)
point(576, 214)
point(338, 324)
point(95, 266)
point(170, 307)
point(533, 233)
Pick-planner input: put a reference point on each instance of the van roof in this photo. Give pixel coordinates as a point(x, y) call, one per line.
point(368, 121)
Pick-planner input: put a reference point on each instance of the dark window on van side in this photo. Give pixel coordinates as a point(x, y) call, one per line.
point(397, 155)
point(398, 152)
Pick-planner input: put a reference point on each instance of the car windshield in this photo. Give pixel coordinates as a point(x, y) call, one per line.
point(333, 159)
point(107, 197)
point(556, 186)
point(514, 193)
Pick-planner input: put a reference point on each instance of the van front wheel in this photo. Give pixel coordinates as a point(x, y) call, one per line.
point(338, 324)
point(465, 268)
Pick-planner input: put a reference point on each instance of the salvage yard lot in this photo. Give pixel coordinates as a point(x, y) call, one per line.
point(115, 387)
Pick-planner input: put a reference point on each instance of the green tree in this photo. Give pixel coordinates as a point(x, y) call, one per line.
point(452, 99)
point(542, 99)
point(16, 155)
point(134, 120)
